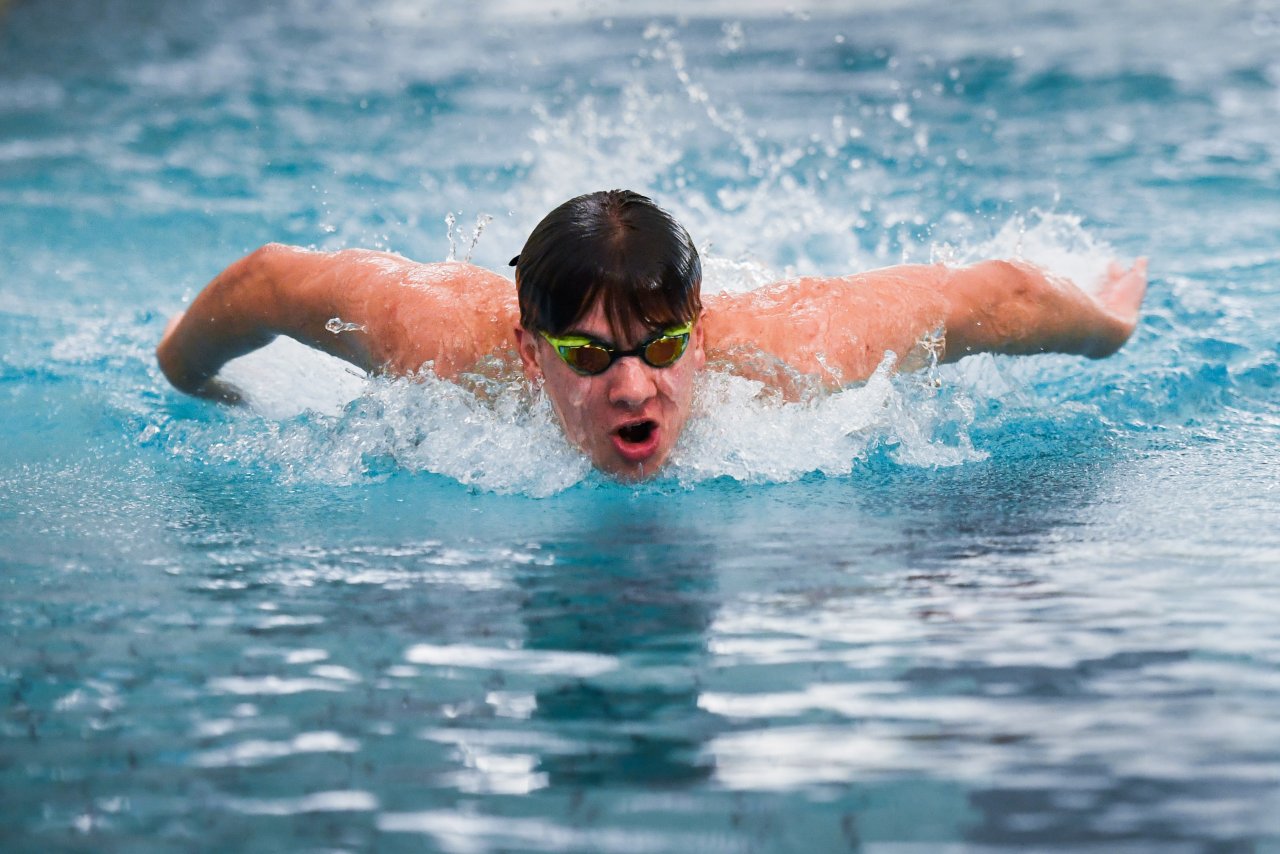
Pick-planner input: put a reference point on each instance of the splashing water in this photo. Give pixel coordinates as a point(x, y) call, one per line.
point(451, 221)
point(497, 435)
point(1054, 241)
point(741, 431)
point(337, 326)
point(492, 431)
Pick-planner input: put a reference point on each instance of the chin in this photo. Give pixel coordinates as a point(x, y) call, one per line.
point(626, 471)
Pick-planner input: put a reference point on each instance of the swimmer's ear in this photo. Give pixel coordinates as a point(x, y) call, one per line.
point(527, 345)
point(699, 346)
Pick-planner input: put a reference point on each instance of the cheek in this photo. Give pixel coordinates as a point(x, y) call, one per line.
point(676, 384)
point(572, 399)
point(573, 395)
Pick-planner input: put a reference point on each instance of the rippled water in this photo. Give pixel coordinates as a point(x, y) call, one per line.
point(1006, 604)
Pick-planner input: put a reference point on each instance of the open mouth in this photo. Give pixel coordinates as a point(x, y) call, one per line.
point(638, 433)
point(637, 443)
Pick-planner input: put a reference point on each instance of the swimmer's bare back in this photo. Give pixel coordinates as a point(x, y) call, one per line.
point(385, 313)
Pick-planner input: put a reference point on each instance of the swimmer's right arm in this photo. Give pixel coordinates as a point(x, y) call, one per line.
point(393, 314)
point(233, 315)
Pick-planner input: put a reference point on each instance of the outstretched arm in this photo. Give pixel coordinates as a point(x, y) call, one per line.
point(376, 310)
point(1017, 308)
point(838, 329)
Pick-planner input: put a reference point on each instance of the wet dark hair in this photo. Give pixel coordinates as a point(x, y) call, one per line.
point(616, 246)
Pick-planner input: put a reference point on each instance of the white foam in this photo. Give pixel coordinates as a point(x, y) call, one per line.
point(743, 431)
point(502, 436)
point(312, 418)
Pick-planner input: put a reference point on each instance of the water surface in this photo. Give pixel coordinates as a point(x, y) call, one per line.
point(1005, 605)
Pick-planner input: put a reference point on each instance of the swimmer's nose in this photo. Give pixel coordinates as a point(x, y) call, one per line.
point(631, 383)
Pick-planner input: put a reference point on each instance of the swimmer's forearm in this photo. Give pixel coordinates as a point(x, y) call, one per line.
point(229, 318)
point(1015, 308)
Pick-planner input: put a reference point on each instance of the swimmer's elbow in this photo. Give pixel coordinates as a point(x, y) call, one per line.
point(263, 260)
point(265, 266)
point(270, 285)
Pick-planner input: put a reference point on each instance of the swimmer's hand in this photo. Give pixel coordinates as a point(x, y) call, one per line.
point(211, 388)
point(221, 391)
point(1120, 296)
point(1016, 308)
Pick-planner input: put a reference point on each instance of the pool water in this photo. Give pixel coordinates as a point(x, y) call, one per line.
point(999, 605)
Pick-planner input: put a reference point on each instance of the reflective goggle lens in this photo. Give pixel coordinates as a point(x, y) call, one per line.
point(665, 350)
point(587, 358)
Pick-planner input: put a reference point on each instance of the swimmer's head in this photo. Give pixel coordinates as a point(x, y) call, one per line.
point(613, 247)
point(616, 270)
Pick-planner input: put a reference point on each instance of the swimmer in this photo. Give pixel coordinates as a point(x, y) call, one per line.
point(607, 316)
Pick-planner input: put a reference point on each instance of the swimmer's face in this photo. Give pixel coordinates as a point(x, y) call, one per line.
point(627, 418)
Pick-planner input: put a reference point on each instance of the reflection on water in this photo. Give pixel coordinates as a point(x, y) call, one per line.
point(645, 595)
point(819, 665)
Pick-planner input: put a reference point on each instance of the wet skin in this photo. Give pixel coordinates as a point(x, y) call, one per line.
point(627, 419)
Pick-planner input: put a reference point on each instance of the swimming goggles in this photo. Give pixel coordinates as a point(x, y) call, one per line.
point(589, 357)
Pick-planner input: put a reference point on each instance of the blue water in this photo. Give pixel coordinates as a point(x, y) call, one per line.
point(1004, 605)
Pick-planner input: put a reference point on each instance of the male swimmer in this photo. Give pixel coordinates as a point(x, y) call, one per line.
point(607, 316)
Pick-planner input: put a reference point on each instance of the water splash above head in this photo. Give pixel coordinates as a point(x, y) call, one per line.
point(482, 220)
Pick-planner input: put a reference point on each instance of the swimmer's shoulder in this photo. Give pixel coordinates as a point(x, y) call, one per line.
point(410, 314)
point(833, 328)
point(371, 268)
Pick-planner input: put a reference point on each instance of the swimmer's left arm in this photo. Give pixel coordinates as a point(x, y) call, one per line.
point(838, 329)
point(1016, 308)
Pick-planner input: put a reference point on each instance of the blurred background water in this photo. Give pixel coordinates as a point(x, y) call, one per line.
point(1007, 605)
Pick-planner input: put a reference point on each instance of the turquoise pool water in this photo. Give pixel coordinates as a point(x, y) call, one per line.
point(1006, 605)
